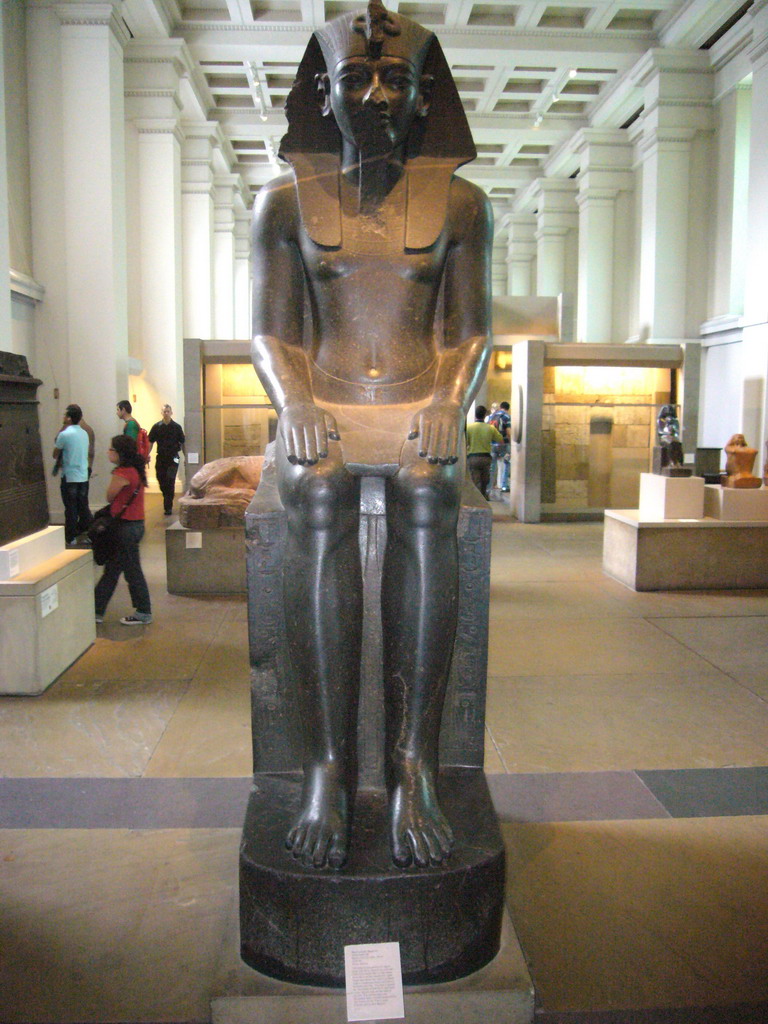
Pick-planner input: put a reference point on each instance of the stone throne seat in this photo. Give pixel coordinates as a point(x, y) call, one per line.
point(296, 920)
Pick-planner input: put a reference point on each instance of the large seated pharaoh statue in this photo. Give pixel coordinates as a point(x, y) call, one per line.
point(393, 251)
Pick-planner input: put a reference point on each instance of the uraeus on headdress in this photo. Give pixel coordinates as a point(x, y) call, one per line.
point(437, 144)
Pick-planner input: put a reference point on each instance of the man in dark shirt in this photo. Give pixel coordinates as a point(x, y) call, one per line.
point(169, 438)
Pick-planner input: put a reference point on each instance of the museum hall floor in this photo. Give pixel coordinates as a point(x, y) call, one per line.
point(627, 746)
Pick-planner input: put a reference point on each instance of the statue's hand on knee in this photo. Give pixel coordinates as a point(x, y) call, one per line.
point(438, 427)
point(306, 430)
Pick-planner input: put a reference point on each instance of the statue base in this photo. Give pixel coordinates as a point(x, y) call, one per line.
point(295, 921)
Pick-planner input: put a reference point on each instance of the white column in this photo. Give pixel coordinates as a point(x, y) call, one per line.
point(756, 289)
point(224, 256)
point(499, 266)
point(557, 222)
point(5, 255)
point(197, 194)
point(521, 254)
point(754, 356)
point(242, 273)
point(677, 88)
point(77, 190)
point(731, 226)
point(152, 92)
point(605, 174)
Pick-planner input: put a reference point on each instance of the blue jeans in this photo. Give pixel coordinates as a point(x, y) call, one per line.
point(77, 515)
point(125, 560)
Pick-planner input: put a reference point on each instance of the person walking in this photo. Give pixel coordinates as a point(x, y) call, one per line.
point(502, 420)
point(71, 453)
point(168, 435)
point(125, 495)
point(480, 437)
point(124, 413)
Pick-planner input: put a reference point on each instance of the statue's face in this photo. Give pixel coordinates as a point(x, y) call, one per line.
point(374, 102)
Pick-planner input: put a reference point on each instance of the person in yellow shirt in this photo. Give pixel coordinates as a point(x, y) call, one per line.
point(480, 437)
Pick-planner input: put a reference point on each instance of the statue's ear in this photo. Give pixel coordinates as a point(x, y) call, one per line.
point(426, 84)
point(323, 86)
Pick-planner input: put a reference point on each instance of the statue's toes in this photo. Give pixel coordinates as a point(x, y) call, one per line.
point(419, 846)
point(401, 851)
point(319, 853)
point(337, 851)
point(294, 841)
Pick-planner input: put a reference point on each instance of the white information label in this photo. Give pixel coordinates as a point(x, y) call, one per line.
point(374, 981)
point(49, 600)
point(194, 539)
point(13, 564)
point(192, 458)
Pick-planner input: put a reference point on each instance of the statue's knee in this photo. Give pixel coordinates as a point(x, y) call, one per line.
point(427, 497)
point(319, 498)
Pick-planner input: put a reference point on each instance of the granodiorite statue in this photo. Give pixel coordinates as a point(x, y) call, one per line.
point(387, 243)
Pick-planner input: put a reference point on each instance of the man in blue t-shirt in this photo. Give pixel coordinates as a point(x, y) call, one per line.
point(501, 419)
point(72, 445)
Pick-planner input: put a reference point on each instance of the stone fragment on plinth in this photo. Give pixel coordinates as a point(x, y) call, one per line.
point(667, 497)
point(736, 504)
point(205, 561)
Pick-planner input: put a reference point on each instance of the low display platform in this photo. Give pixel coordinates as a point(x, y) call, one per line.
point(683, 554)
point(210, 561)
point(736, 504)
point(46, 620)
point(671, 497)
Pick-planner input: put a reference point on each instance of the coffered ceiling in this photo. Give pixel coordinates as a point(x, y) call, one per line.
point(530, 73)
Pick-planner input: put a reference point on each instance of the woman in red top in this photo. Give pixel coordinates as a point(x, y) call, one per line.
point(126, 494)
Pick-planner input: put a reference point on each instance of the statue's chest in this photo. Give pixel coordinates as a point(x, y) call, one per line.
point(342, 268)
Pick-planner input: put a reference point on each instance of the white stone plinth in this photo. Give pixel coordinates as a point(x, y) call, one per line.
point(21, 555)
point(735, 504)
point(670, 497)
point(46, 621)
point(704, 554)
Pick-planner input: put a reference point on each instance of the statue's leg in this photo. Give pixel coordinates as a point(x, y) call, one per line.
point(322, 588)
point(419, 608)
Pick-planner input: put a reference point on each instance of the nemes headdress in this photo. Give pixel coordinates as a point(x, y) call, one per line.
point(437, 144)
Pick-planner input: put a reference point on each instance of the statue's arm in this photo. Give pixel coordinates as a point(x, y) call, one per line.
point(467, 340)
point(278, 324)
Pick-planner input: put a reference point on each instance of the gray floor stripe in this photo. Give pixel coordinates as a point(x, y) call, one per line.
point(710, 792)
point(220, 803)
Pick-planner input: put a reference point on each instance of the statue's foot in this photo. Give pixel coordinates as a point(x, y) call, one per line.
point(419, 832)
point(319, 836)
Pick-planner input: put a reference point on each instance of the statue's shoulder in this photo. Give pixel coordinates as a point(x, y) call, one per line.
point(277, 200)
point(468, 206)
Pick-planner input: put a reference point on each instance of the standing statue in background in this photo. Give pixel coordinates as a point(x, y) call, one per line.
point(394, 253)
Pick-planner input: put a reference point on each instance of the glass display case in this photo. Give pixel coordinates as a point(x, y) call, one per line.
point(238, 418)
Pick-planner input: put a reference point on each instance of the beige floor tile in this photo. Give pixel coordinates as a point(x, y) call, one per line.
point(226, 657)
point(107, 729)
point(209, 735)
point(607, 722)
point(157, 651)
point(734, 645)
point(642, 914)
point(568, 646)
point(663, 604)
point(111, 925)
point(494, 765)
